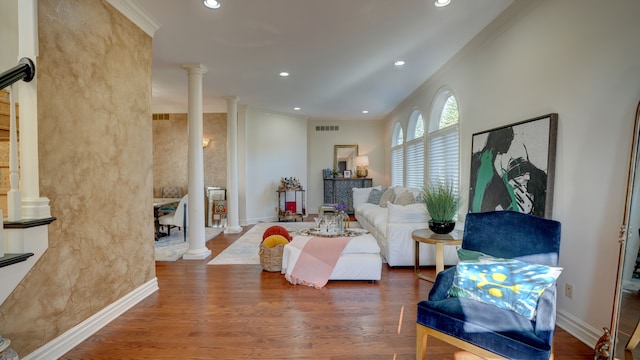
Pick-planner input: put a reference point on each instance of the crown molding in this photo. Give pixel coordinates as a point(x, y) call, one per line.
point(137, 15)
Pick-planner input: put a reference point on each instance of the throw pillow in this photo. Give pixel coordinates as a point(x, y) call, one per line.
point(360, 195)
point(387, 196)
point(406, 198)
point(374, 196)
point(276, 230)
point(506, 283)
point(274, 240)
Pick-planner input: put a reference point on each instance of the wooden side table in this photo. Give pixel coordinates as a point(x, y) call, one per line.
point(429, 237)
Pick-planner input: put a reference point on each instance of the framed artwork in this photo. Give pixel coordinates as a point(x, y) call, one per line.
point(512, 167)
point(347, 174)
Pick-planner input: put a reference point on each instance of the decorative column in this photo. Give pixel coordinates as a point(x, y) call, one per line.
point(195, 206)
point(233, 223)
point(33, 206)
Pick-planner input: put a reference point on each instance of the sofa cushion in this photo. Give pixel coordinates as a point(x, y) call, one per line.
point(360, 195)
point(388, 196)
point(413, 213)
point(405, 198)
point(374, 196)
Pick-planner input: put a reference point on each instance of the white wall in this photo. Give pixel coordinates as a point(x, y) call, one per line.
point(8, 34)
point(275, 146)
point(580, 59)
point(366, 134)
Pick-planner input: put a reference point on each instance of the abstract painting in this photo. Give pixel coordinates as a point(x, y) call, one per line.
point(512, 167)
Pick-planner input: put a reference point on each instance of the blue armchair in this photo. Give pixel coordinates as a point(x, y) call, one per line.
point(485, 329)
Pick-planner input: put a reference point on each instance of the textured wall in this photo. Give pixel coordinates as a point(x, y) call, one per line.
point(170, 151)
point(94, 124)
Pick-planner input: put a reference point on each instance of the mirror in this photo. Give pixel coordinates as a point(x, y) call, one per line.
point(343, 158)
point(625, 320)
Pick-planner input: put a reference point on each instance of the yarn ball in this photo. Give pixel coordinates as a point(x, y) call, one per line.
point(276, 230)
point(275, 240)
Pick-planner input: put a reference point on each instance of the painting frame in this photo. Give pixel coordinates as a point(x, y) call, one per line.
point(347, 174)
point(513, 167)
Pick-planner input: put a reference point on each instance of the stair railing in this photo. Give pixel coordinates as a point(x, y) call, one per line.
point(25, 70)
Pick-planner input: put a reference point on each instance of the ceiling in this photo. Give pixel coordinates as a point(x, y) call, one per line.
point(340, 53)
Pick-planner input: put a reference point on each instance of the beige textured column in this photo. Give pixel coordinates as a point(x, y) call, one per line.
point(233, 223)
point(195, 208)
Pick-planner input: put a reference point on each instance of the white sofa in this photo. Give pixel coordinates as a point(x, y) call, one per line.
point(391, 225)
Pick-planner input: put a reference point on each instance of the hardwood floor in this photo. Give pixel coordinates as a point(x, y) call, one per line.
point(242, 312)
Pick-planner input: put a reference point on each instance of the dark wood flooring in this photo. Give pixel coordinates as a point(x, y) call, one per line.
point(242, 312)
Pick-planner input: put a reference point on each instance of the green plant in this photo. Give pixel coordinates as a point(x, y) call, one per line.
point(441, 201)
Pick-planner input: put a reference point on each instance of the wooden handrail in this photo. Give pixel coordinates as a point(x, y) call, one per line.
point(25, 70)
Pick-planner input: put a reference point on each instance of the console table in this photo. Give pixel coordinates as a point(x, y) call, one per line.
point(338, 191)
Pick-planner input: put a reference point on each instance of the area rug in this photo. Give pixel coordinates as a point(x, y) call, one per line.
point(171, 248)
point(244, 251)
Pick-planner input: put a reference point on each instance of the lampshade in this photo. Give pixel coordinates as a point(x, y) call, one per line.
point(362, 160)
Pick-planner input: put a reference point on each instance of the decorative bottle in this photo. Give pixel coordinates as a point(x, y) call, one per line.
point(342, 225)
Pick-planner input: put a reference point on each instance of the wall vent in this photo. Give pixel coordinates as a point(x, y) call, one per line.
point(327, 128)
point(160, 116)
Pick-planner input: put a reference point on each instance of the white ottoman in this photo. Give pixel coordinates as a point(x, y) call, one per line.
point(360, 259)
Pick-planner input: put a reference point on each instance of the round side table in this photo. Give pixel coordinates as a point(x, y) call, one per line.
point(427, 236)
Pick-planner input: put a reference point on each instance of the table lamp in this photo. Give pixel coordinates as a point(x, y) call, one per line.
point(361, 163)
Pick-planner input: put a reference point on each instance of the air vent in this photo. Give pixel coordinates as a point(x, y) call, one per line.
point(160, 116)
point(327, 128)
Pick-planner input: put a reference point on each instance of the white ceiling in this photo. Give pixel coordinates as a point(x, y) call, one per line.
point(340, 53)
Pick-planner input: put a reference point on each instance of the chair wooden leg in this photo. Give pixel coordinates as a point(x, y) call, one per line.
point(634, 339)
point(421, 342)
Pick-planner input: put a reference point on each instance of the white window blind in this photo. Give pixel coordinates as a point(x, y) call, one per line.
point(443, 156)
point(415, 163)
point(397, 166)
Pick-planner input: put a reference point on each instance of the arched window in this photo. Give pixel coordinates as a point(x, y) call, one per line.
point(415, 151)
point(443, 148)
point(397, 154)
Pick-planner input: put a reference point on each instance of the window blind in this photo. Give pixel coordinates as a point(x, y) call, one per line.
point(443, 157)
point(415, 163)
point(397, 166)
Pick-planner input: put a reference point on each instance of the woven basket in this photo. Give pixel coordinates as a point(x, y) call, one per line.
point(271, 258)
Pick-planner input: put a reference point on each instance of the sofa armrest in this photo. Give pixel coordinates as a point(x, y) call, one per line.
point(441, 286)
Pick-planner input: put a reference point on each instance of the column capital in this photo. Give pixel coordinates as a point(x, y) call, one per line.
point(194, 67)
point(231, 99)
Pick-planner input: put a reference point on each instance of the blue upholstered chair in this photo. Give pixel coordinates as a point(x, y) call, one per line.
point(485, 329)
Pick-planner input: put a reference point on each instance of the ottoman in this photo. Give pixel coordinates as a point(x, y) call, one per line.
point(360, 259)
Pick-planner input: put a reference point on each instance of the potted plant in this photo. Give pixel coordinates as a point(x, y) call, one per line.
point(443, 204)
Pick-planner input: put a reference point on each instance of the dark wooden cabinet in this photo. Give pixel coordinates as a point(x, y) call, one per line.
point(338, 191)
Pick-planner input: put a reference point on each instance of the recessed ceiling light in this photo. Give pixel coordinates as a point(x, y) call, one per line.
point(284, 74)
point(365, 111)
point(212, 4)
point(399, 63)
point(296, 108)
point(441, 3)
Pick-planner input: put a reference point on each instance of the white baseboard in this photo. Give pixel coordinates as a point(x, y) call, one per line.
point(578, 328)
point(64, 343)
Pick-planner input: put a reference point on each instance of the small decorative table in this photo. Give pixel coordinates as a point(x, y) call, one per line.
point(427, 236)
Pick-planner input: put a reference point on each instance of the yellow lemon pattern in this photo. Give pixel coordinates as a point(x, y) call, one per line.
point(506, 283)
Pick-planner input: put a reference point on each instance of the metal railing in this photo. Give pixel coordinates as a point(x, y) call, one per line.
point(25, 70)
